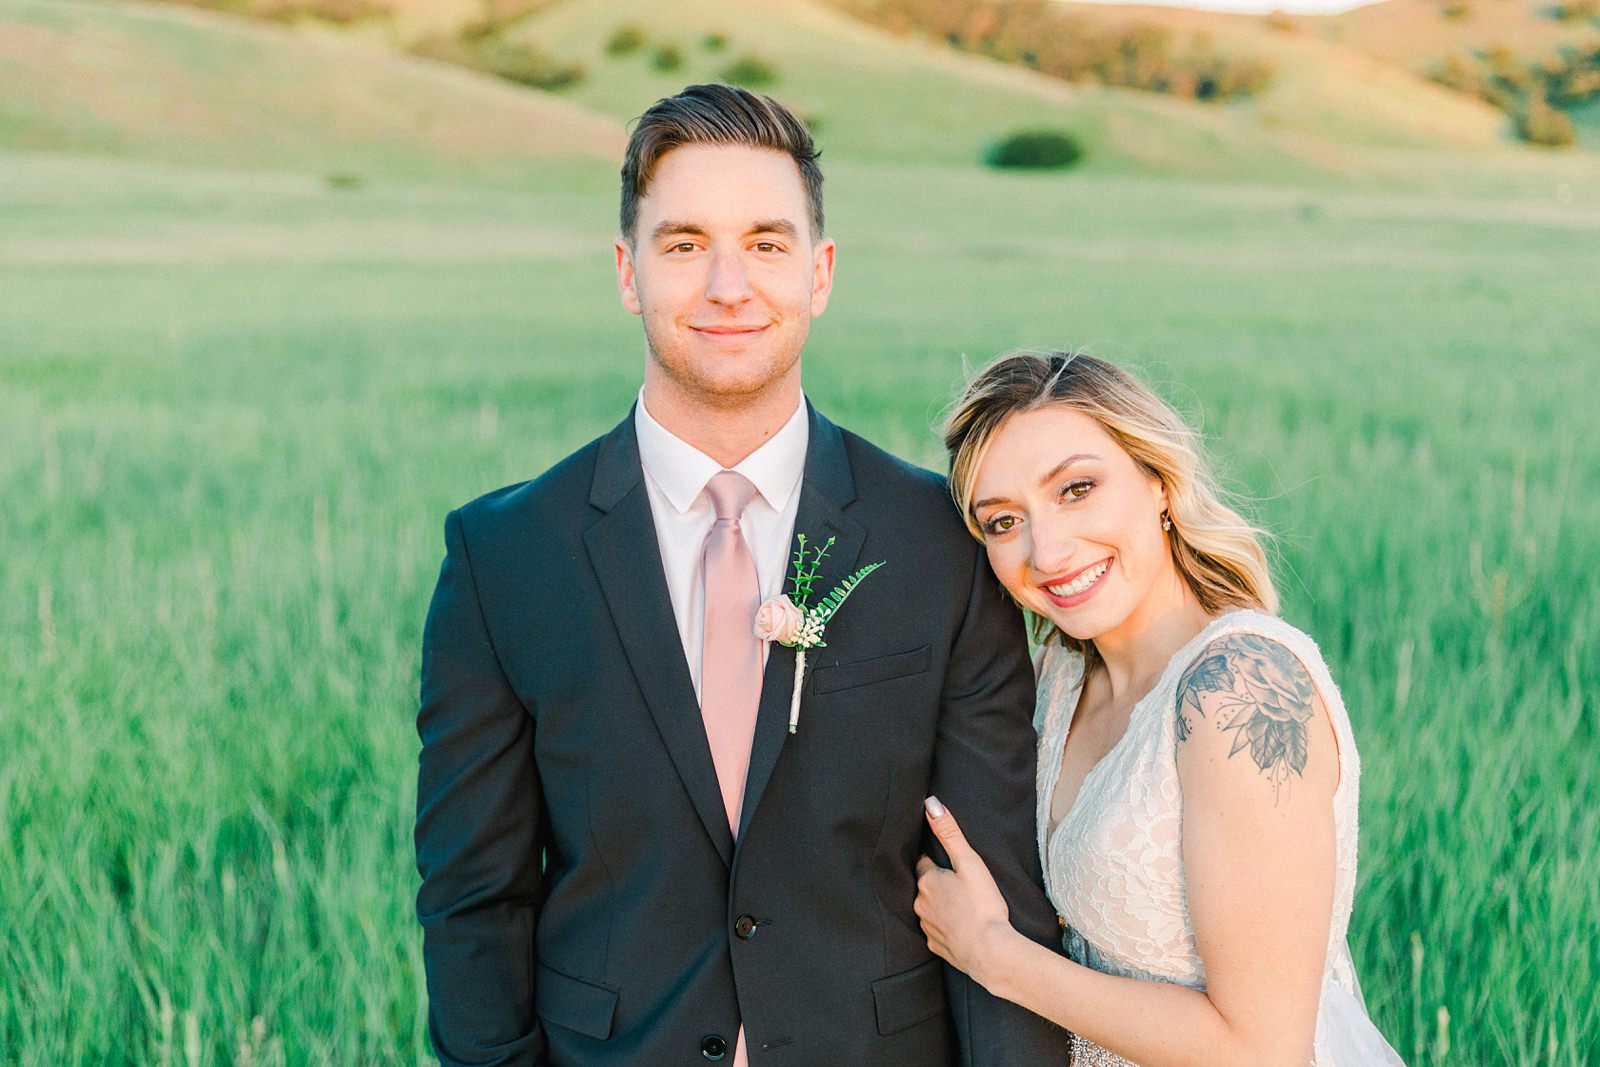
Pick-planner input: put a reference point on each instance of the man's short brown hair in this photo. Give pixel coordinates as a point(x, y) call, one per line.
point(716, 115)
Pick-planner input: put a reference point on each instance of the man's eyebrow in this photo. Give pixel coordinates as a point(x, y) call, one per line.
point(778, 226)
point(670, 228)
point(1046, 480)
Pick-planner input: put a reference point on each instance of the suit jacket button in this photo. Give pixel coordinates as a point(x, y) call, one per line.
point(745, 927)
point(713, 1046)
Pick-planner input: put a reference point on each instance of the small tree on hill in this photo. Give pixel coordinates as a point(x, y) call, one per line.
point(667, 58)
point(626, 40)
point(751, 72)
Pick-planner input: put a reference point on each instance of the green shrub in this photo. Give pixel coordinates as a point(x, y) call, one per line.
point(511, 60)
point(478, 30)
point(627, 40)
point(339, 12)
point(1574, 11)
point(752, 72)
point(1061, 42)
point(1539, 123)
point(714, 42)
point(526, 65)
point(1536, 93)
point(1035, 150)
point(667, 58)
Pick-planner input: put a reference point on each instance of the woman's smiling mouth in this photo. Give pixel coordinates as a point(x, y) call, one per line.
point(1079, 587)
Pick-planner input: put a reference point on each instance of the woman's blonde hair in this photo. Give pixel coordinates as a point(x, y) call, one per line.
point(1218, 551)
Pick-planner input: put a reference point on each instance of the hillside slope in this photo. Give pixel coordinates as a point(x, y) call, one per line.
point(879, 96)
point(171, 83)
point(153, 81)
point(1417, 34)
point(875, 97)
point(1326, 90)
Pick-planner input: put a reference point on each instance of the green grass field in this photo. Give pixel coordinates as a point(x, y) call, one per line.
point(238, 404)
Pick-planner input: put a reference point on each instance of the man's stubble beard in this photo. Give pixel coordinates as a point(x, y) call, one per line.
point(734, 398)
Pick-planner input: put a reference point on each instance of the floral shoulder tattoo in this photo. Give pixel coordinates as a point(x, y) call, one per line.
point(1256, 689)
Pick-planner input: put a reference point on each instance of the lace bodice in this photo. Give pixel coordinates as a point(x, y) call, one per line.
point(1114, 864)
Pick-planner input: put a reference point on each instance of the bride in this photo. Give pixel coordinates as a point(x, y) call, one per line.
point(1197, 775)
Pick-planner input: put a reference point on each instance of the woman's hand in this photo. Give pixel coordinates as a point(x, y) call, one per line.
point(962, 911)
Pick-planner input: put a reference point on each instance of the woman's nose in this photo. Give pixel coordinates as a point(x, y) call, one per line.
point(1054, 546)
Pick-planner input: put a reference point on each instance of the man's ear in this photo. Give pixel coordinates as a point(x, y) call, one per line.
point(626, 283)
point(822, 275)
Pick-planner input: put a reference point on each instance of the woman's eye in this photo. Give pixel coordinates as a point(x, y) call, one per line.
point(999, 524)
point(1077, 489)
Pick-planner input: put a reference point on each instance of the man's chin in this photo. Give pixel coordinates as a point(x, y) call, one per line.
point(739, 393)
point(735, 384)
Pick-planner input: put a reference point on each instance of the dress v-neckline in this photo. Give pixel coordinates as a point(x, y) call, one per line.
point(1182, 656)
point(1105, 757)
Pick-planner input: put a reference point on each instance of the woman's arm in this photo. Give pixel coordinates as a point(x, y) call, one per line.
point(1258, 764)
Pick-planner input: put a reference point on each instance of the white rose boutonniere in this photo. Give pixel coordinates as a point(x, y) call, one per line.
point(794, 622)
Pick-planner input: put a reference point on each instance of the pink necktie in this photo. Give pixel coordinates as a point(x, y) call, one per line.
point(730, 660)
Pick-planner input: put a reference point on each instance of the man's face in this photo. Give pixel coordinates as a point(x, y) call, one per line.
point(725, 271)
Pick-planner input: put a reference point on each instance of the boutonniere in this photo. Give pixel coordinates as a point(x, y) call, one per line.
point(794, 622)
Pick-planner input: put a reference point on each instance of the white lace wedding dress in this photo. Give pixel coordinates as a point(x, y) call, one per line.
point(1114, 866)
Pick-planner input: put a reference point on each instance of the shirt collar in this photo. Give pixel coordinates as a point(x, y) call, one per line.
point(681, 470)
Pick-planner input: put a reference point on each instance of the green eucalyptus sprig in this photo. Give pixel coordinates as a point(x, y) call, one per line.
point(806, 564)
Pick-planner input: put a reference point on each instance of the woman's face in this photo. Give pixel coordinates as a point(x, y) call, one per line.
point(1071, 523)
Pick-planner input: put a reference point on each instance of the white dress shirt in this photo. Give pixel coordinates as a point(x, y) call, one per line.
point(675, 477)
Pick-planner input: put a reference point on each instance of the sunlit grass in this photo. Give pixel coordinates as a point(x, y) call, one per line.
point(225, 464)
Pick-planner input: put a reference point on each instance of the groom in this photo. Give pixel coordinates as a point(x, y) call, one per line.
point(626, 855)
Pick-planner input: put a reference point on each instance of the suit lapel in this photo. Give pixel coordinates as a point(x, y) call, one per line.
point(627, 561)
point(826, 488)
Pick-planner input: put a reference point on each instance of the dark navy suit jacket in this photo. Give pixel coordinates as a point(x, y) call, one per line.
point(582, 899)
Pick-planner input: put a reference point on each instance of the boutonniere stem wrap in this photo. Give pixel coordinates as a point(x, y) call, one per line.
point(794, 622)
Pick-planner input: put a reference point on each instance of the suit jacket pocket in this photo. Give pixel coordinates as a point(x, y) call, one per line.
point(911, 997)
point(869, 671)
point(575, 1004)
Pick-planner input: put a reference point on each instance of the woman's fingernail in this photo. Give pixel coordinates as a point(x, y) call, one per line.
point(935, 808)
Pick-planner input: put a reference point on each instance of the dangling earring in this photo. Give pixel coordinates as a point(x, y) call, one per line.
point(1166, 520)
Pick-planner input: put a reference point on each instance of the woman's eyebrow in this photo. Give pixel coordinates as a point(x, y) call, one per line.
point(1049, 477)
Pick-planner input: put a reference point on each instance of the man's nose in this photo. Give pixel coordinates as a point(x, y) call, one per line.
point(727, 284)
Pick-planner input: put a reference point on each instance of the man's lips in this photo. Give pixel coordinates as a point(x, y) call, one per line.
point(725, 330)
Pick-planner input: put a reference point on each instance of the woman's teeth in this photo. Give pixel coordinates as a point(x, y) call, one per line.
point(1080, 583)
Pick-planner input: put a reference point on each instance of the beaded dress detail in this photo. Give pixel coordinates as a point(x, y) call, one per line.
point(1114, 864)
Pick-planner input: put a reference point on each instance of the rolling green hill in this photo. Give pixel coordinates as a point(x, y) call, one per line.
point(879, 96)
point(875, 97)
point(171, 83)
point(150, 81)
